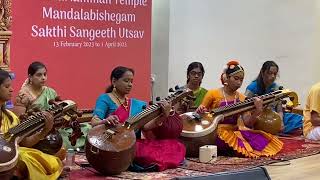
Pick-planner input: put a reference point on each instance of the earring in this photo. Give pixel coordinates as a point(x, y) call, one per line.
point(224, 79)
point(114, 89)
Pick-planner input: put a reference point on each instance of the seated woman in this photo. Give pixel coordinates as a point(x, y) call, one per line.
point(234, 135)
point(32, 164)
point(115, 107)
point(311, 113)
point(265, 83)
point(35, 94)
point(195, 73)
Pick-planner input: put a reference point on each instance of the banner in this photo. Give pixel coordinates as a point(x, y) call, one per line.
point(80, 42)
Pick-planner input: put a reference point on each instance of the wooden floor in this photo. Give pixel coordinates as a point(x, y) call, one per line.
point(307, 168)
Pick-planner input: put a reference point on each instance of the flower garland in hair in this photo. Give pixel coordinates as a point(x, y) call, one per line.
point(232, 64)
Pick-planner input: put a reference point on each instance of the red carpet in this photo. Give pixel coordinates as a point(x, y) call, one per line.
point(294, 147)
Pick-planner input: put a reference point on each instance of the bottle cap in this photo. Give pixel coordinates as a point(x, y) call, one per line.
point(70, 150)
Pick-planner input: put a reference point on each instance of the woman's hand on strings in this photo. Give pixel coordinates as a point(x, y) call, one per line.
point(166, 107)
point(48, 122)
point(111, 120)
point(201, 109)
point(258, 103)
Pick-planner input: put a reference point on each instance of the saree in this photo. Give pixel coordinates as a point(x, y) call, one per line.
point(28, 100)
point(157, 154)
point(199, 94)
point(37, 164)
point(236, 139)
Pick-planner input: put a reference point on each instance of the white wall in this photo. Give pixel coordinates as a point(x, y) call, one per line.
point(252, 31)
point(160, 47)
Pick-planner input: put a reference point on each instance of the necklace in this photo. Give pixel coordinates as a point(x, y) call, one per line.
point(124, 103)
point(35, 93)
point(225, 98)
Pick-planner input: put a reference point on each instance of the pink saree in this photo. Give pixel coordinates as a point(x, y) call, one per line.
point(164, 150)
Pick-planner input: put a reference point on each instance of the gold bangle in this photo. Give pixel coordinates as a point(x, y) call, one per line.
point(172, 113)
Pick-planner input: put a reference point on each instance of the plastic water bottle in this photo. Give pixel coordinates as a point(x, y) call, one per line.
point(70, 157)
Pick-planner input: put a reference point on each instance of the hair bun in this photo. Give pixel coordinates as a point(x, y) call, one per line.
point(233, 62)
